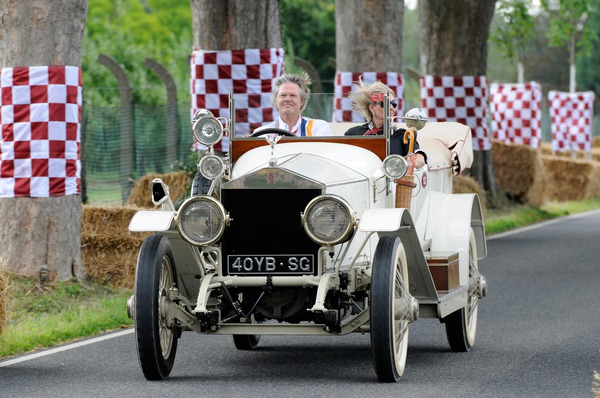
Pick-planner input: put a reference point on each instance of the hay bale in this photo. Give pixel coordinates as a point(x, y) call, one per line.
point(178, 182)
point(4, 297)
point(594, 153)
point(572, 179)
point(108, 249)
point(467, 184)
point(520, 173)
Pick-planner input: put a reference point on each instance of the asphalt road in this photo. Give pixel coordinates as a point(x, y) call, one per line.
point(538, 336)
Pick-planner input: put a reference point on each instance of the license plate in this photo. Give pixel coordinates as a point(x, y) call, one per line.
point(301, 264)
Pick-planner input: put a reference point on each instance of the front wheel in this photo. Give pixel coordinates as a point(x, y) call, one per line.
point(156, 336)
point(392, 309)
point(461, 325)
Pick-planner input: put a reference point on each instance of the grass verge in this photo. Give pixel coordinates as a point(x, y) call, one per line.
point(44, 317)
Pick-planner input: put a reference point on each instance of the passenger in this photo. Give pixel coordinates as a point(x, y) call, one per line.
point(368, 101)
point(290, 97)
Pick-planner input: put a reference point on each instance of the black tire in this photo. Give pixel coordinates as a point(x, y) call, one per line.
point(461, 325)
point(392, 309)
point(156, 343)
point(246, 342)
point(200, 185)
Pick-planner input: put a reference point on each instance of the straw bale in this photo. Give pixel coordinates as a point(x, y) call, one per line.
point(178, 182)
point(520, 172)
point(467, 184)
point(572, 179)
point(108, 249)
point(594, 153)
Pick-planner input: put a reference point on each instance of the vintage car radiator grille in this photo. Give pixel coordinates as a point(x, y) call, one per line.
point(266, 224)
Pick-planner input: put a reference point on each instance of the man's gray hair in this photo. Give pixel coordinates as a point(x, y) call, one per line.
point(302, 80)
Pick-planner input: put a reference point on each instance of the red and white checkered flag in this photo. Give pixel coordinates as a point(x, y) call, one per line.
point(571, 115)
point(40, 119)
point(247, 73)
point(516, 113)
point(460, 99)
point(343, 86)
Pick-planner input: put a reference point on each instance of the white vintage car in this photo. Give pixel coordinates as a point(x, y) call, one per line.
point(312, 236)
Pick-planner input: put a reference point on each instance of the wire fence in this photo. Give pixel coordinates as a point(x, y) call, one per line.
point(161, 141)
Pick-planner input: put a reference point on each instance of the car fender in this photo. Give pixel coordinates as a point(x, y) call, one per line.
point(398, 222)
point(151, 221)
point(455, 217)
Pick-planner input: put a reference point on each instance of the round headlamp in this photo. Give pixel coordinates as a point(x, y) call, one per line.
point(208, 130)
point(201, 220)
point(329, 220)
point(211, 167)
point(395, 166)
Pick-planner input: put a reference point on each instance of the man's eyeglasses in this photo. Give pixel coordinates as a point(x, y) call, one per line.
point(393, 103)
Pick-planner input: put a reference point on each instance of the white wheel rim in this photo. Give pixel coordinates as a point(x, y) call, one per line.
point(401, 310)
point(165, 283)
point(472, 308)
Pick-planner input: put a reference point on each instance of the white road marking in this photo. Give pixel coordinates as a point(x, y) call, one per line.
point(65, 347)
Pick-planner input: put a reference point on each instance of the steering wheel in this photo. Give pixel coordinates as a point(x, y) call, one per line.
point(272, 130)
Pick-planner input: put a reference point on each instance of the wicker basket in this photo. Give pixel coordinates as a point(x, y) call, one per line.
point(404, 188)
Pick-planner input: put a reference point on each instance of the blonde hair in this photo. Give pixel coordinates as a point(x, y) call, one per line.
point(361, 96)
point(302, 80)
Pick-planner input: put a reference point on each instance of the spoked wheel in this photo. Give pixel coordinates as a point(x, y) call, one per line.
point(156, 339)
point(392, 309)
point(246, 342)
point(461, 325)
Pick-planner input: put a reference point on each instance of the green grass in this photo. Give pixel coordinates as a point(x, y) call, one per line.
point(40, 318)
point(43, 317)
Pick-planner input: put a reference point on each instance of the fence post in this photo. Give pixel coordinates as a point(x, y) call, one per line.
point(172, 125)
point(126, 124)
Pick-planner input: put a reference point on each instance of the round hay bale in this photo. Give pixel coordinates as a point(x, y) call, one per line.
point(520, 172)
point(178, 182)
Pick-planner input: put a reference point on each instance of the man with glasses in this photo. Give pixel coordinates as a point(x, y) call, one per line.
point(368, 101)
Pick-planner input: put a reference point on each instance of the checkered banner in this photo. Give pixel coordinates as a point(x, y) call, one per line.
point(40, 119)
point(460, 99)
point(247, 73)
point(571, 115)
point(343, 86)
point(516, 113)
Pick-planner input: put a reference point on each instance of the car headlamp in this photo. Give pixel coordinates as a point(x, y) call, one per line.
point(208, 130)
point(211, 167)
point(395, 166)
point(329, 220)
point(201, 220)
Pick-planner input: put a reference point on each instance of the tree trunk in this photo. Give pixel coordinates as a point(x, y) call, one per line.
point(236, 24)
point(368, 35)
point(44, 231)
point(454, 36)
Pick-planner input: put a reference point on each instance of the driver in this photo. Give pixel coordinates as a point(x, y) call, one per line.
point(290, 97)
point(368, 101)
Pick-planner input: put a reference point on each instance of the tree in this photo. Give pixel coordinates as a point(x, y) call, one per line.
point(514, 31)
point(44, 231)
point(236, 24)
point(454, 38)
point(568, 26)
point(369, 35)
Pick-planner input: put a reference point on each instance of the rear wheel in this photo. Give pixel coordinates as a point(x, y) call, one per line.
point(156, 338)
point(246, 342)
point(392, 309)
point(461, 325)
